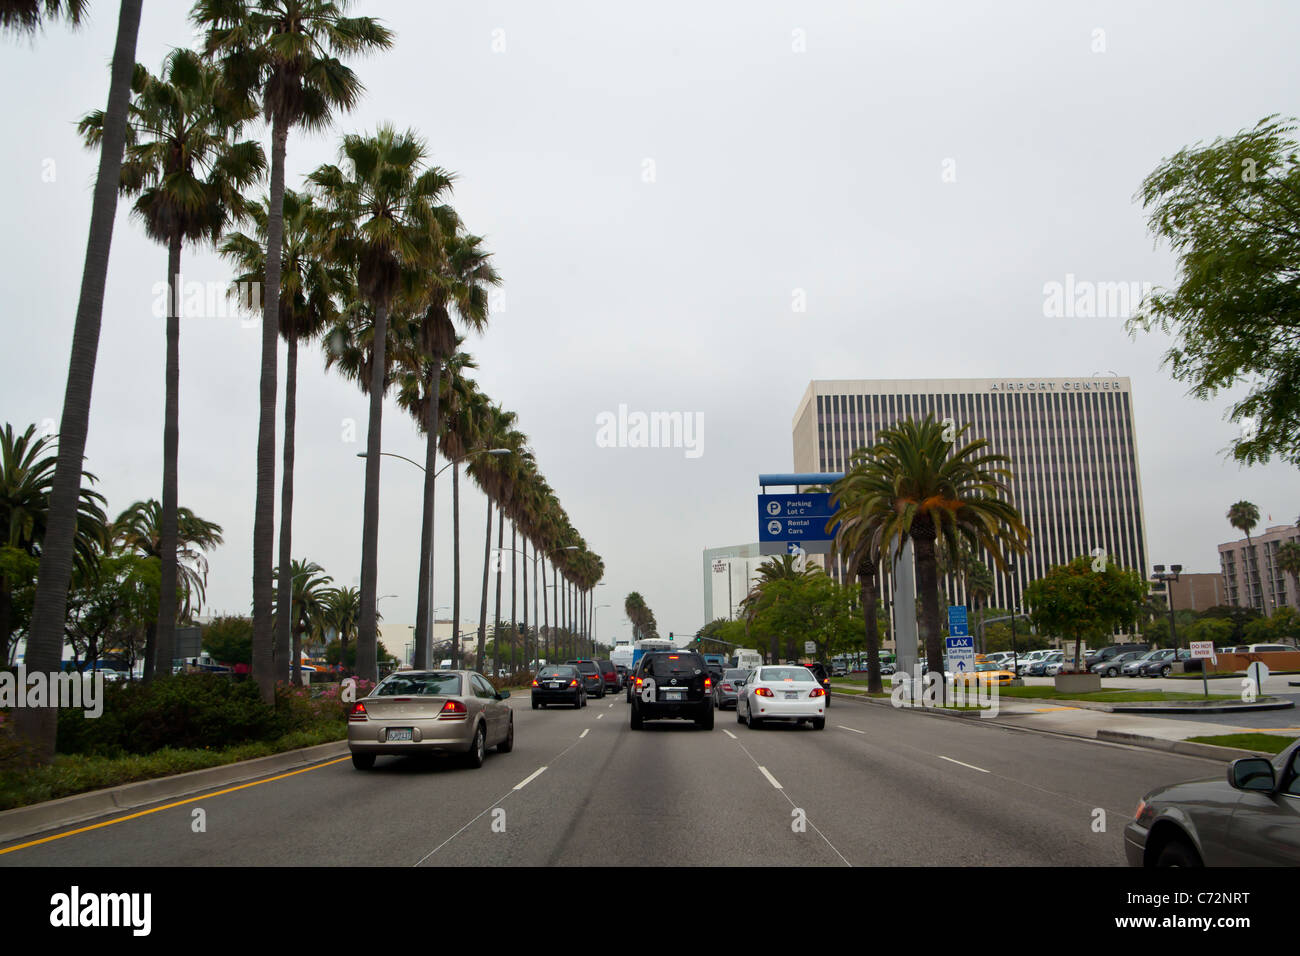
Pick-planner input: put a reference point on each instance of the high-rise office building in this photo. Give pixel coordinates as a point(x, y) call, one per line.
point(1071, 444)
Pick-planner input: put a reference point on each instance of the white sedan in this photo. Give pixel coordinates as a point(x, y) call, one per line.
point(782, 693)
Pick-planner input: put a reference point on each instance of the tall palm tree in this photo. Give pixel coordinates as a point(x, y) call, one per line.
point(343, 615)
point(1288, 559)
point(933, 487)
point(311, 603)
point(27, 464)
point(284, 55)
point(461, 412)
point(1244, 516)
point(309, 283)
point(139, 529)
point(860, 517)
point(497, 431)
point(386, 219)
point(37, 726)
point(188, 168)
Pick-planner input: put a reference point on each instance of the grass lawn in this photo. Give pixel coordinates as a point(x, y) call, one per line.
point(1268, 743)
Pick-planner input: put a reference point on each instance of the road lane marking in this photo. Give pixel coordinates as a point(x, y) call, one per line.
point(178, 803)
point(1050, 710)
point(611, 705)
point(729, 733)
point(530, 778)
point(598, 716)
point(771, 779)
point(584, 733)
point(794, 806)
point(851, 730)
point(960, 764)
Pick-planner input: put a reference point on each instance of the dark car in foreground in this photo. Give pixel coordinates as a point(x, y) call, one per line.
point(1251, 818)
point(823, 675)
point(559, 684)
point(672, 684)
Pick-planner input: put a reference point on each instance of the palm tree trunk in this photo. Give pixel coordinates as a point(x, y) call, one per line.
point(36, 726)
point(482, 611)
point(867, 595)
point(523, 591)
point(165, 640)
point(927, 586)
point(496, 633)
point(368, 637)
point(424, 601)
point(296, 651)
point(514, 621)
point(546, 612)
point(284, 619)
point(264, 671)
point(455, 565)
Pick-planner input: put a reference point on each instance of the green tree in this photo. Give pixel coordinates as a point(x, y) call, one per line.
point(1238, 617)
point(311, 603)
point(1288, 559)
point(188, 168)
point(229, 639)
point(284, 55)
point(1229, 212)
point(1076, 600)
point(1218, 630)
point(1244, 516)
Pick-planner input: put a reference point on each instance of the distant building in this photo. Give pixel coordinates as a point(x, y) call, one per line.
point(727, 576)
point(1196, 591)
point(1251, 574)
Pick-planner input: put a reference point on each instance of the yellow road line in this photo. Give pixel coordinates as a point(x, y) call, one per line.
point(179, 803)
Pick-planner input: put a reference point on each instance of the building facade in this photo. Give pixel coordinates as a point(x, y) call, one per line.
point(728, 575)
point(1251, 576)
point(1071, 444)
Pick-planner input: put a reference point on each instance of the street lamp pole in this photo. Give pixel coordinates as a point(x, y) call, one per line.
point(1166, 578)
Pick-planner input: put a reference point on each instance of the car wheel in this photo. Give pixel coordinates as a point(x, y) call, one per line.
point(536, 705)
point(1165, 671)
point(584, 700)
point(478, 749)
point(751, 721)
point(819, 723)
point(1178, 852)
point(508, 744)
point(363, 761)
point(636, 722)
point(739, 719)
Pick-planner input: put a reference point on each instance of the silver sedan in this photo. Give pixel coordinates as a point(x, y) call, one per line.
point(431, 712)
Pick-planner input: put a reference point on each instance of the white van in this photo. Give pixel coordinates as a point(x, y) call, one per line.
point(748, 659)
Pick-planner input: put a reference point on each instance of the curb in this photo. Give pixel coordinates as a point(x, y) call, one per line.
point(1210, 751)
point(80, 807)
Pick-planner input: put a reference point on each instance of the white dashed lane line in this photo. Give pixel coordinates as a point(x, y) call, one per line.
point(729, 733)
point(968, 766)
point(584, 733)
point(771, 779)
point(851, 730)
point(530, 778)
point(598, 716)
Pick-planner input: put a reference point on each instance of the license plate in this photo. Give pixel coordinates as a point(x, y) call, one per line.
point(553, 686)
point(672, 695)
point(399, 733)
point(792, 695)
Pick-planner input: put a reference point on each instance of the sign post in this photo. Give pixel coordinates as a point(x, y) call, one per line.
point(1203, 651)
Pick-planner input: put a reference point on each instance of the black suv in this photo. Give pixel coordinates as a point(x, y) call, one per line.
point(823, 675)
point(1111, 651)
point(593, 681)
point(672, 684)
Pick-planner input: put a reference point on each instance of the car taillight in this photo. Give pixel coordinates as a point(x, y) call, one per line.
point(358, 712)
point(574, 682)
point(453, 708)
point(707, 683)
point(727, 687)
point(639, 682)
point(763, 692)
point(534, 681)
point(817, 692)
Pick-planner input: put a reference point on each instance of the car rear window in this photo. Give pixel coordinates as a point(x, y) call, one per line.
point(676, 665)
point(786, 673)
point(565, 672)
point(419, 685)
point(588, 667)
point(734, 674)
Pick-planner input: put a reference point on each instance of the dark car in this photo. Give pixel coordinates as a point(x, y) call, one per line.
point(1111, 666)
point(592, 677)
point(726, 690)
point(1110, 652)
point(610, 673)
point(673, 684)
point(559, 684)
point(623, 674)
point(1251, 818)
point(1164, 666)
point(823, 675)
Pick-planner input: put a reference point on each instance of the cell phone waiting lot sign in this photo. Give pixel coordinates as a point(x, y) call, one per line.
point(799, 519)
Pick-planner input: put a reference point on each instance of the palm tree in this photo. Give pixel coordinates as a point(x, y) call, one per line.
point(1244, 516)
point(386, 221)
point(1288, 559)
point(37, 726)
point(860, 518)
point(309, 283)
point(284, 55)
point(343, 615)
point(461, 412)
point(496, 431)
point(188, 168)
point(932, 487)
point(27, 464)
point(138, 529)
point(310, 606)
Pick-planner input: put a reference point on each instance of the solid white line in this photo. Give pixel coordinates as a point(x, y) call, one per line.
point(960, 764)
point(530, 778)
point(584, 733)
point(771, 779)
point(851, 730)
point(728, 733)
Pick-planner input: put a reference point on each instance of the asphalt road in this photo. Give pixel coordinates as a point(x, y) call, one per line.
point(876, 787)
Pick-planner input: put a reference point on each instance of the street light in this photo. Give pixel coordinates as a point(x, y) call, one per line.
point(1163, 577)
point(455, 461)
point(595, 632)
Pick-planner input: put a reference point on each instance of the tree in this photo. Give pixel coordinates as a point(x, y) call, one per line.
point(28, 16)
point(37, 726)
point(1238, 617)
point(385, 223)
point(309, 608)
point(1244, 516)
point(1216, 630)
point(1288, 559)
point(1229, 211)
point(1074, 600)
point(342, 616)
point(284, 55)
point(188, 168)
point(229, 640)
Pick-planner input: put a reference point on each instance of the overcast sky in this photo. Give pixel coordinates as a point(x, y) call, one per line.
point(661, 185)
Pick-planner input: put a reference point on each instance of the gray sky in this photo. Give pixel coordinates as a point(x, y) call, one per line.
point(795, 149)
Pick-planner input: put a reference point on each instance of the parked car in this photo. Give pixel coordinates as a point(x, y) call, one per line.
point(1162, 665)
point(1265, 648)
point(430, 712)
point(592, 677)
point(1131, 668)
point(1027, 660)
point(727, 690)
point(1111, 651)
point(673, 684)
point(559, 684)
point(1111, 666)
point(988, 673)
point(1251, 818)
point(782, 693)
point(1038, 668)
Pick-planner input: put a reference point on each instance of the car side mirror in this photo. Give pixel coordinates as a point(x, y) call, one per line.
point(1252, 773)
point(502, 694)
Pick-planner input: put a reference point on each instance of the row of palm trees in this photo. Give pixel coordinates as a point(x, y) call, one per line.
point(369, 257)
